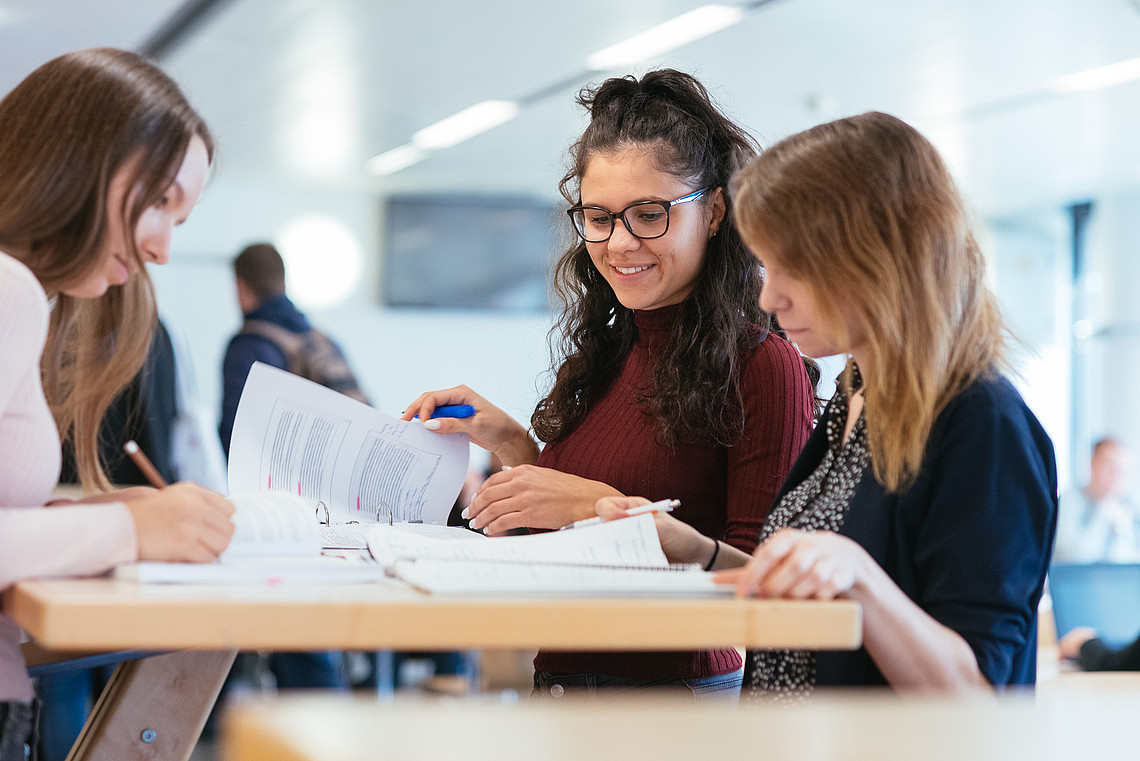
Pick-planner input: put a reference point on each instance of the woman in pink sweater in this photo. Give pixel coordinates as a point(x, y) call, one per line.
point(100, 158)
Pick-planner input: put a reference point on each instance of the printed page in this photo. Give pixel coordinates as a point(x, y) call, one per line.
point(256, 570)
point(273, 524)
point(355, 535)
point(293, 435)
point(461, 577)
point(625, 542)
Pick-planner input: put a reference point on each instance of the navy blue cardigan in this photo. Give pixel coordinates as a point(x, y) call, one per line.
point(970, 540)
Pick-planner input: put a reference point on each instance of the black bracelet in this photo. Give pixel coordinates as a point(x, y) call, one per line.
point(716, 551)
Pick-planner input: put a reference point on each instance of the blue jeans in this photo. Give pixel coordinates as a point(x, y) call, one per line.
point(18, 724)
point(554, 686)
point(320, 670)
point(66, 698)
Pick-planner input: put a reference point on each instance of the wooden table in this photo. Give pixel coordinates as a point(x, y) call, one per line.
point(155, 707)
point(1058, 725)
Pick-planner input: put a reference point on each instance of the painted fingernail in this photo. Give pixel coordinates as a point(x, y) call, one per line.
point(464, 514)
point(432, 425)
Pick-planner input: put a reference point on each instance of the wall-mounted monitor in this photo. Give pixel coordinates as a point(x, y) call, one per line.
point(471, 251)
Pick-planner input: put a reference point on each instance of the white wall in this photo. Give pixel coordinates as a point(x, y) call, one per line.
point(396, 353)
point(1111, 288)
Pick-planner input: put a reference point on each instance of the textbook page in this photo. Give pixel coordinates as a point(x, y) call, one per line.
point(625, 542)
point(463, 577)
point(276, 539)
point(293, 435)
point(617, 558)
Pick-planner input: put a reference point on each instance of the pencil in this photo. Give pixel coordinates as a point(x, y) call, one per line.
point(144, 464)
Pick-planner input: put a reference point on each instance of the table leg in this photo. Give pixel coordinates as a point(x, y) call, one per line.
point(154, 708)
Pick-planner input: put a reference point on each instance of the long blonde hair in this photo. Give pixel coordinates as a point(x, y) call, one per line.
point(65, 131)
point(864, 212)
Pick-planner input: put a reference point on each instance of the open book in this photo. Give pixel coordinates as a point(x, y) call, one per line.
point(618, 558)
point(310, 469)
point(295, 436)
point(276, 539)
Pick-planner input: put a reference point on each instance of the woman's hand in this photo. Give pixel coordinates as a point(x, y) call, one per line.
point(800, 565)
point(183, 522)
point(490, 427)
point(680, 542)
point(527, 496)
point(912, 649)
point(1070, 644)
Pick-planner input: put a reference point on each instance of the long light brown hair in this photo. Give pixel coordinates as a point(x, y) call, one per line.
point(864, 212)
point(65, 131)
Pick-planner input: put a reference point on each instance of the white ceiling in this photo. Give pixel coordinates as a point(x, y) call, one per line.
point(305, 91)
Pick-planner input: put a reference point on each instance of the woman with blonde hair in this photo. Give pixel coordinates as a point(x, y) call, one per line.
point(100, 158)
point(927, 493)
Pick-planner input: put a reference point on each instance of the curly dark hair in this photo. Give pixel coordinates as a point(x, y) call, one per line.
point(694, 392)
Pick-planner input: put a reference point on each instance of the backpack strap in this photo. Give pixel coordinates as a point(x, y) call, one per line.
point(290, 343)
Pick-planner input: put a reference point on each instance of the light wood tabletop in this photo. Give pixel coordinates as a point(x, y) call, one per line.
point(155, 706)
point(94, 614)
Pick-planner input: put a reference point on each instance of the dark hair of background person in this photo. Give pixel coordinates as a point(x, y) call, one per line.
point(261, 267)
point(66, 130)
point(865, 213)
point(694, 392)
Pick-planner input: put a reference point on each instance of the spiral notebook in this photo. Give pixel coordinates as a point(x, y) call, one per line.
point(618, 558)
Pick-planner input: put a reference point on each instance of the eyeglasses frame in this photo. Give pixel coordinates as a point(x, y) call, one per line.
point(614, 216)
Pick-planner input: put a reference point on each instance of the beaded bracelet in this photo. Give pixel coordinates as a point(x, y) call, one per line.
point(716, 551)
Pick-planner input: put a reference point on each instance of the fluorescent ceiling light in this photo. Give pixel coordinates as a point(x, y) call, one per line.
point(394, 160)
point(1100, 77)
point(697, 23)
point(466, 124)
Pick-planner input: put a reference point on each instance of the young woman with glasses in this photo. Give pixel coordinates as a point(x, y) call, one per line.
point(928, 492)
point(672, 380)
point(100, 158)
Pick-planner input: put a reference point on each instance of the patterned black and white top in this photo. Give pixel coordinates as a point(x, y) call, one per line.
point(818, 503)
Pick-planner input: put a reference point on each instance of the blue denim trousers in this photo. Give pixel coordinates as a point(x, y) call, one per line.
point(725, 687)
point(19, 723)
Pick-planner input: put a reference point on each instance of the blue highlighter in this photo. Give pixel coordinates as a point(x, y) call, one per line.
point(453, 410)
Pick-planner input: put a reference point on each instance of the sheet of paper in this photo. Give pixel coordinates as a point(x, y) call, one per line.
point(256, 570)
point(293, 435)
point(273, 525)
point(626, 542)
point(460, 577)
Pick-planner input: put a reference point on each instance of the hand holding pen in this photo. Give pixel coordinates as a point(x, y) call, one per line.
point(179, 523)
point(655, 508)
point(461, 410)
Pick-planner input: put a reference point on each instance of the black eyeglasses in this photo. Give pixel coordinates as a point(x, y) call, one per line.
point(650, 219)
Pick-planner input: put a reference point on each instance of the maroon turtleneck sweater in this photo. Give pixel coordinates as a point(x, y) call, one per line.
point(725, 492)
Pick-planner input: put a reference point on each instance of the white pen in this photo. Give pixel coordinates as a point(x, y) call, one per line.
point(662, 506)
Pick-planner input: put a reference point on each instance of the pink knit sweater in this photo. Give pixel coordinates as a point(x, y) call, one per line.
point(37, 542)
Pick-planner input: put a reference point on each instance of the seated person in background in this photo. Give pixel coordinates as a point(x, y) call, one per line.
point(673, 383)
point(1093, 654)
point(927, 493)
point(1099, 522)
